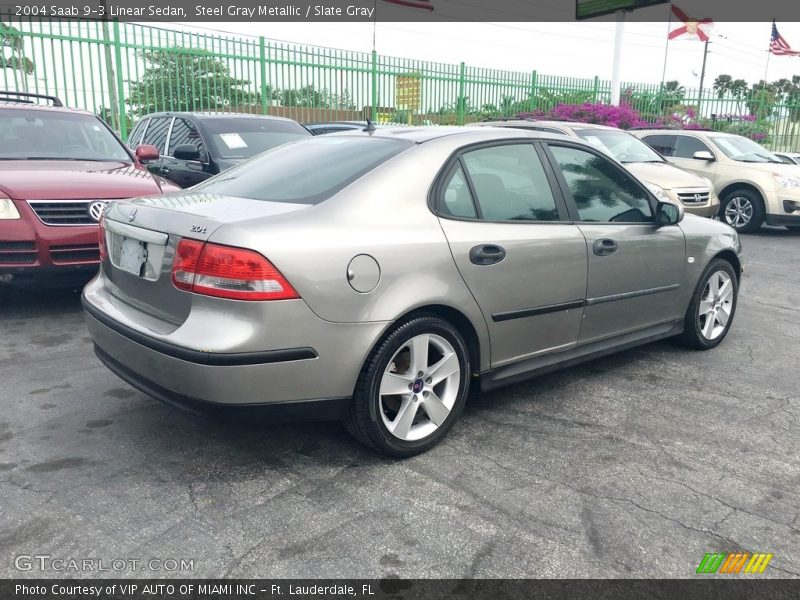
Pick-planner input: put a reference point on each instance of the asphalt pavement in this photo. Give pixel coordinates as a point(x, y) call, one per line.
point(634, 465)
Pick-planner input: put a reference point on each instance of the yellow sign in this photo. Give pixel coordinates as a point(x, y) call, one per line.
point(408, 92)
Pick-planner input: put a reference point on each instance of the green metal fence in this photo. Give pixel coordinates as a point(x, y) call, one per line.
point(123, 70)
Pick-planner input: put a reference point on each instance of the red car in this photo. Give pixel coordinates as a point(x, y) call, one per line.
point(59, 167)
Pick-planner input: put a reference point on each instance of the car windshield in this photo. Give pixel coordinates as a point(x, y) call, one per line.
point(244, 137)
point(57, 135)
point(307, 171)
point(622, 146)
point(742, 149)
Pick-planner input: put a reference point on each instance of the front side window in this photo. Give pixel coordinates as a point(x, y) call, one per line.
point(663, 144)
point(135, 138)
point(185, 132)
point(510, 183)
point(686, 146)
point(602, 191)
point(57, 135)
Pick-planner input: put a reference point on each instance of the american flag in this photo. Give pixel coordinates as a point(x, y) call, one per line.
point(426, 4)
point(778, 45)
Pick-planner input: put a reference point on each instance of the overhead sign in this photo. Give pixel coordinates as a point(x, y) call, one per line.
point(408, 91)
point(587, 9)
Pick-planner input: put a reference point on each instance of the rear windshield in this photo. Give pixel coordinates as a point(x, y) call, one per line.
point(244, 137)
point(305, 172)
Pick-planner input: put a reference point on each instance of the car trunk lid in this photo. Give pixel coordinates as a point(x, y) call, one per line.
point(143, 234)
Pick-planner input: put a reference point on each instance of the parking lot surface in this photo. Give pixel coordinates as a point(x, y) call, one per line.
point(634, 465)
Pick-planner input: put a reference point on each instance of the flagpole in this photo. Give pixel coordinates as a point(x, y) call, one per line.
point(666, 46)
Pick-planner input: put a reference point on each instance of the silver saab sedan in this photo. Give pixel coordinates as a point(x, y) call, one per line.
point(377, 275)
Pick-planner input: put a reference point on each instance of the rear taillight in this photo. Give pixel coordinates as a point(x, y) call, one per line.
point(101, 238)
point(227, 272)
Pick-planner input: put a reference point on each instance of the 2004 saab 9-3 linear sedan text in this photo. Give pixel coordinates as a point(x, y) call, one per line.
point(382, 273)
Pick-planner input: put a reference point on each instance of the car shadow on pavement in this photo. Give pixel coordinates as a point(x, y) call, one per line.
point(24, 303)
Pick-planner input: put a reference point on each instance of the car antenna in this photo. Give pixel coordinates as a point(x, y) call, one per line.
point(370, 126)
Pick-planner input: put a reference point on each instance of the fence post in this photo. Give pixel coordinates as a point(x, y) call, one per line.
point(123, 119)
point(461, 107)
point(262, 55)
point(595, 88)
point(533, 91)
point(374, 110)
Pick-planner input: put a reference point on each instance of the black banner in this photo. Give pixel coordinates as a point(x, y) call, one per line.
point(395, 10)
point(401, 589)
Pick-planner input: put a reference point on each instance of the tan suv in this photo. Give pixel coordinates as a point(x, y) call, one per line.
point(753, 184)
point(696, 194)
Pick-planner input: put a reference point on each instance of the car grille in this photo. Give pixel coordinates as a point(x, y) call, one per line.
point(64, 212)
point(698, 196)
point(75, 253)
point(17, 253)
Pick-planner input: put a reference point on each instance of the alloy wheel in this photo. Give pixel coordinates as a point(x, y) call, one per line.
point(716, 305)
point(738, 212)
point(419, 387)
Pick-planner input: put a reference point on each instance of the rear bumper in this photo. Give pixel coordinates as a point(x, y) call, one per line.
point(288, 356)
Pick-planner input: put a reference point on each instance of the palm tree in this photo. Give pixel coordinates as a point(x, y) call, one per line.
point(11, 38)
point(722, 85)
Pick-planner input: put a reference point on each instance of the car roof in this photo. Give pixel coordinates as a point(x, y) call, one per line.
point(12, 105)
point(420, 135)
point(202, 115)
point(543, 123)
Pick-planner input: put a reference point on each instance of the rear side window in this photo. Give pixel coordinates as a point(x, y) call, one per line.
point(686, 146)
point(663, 144)
point(184, 132)
point(601, 191)
point(306, 172)
point(510, 183)
point(457, 200)
point(156, 134)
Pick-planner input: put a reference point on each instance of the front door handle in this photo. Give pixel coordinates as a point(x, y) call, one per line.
point(487, 254)
point(604, 247)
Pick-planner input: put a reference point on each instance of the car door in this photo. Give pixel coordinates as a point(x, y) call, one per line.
point(183, 171)
point(513, 244)
point(635, 268)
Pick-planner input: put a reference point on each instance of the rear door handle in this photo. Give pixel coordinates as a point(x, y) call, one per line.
point(487, 254)
point(604, 247)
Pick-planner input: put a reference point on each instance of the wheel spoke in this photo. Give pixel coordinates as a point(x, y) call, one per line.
point(725, 289)
point(419, 354)
point(723, 314)
point(444, 368)
point(405, 417)
point(435, 409)
point(713, 285)
point(392, 383)
point(708, 328)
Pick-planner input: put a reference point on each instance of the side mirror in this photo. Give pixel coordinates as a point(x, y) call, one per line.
point(668, 213)
point(146, 152)
point(703, 155)
point(186, 152)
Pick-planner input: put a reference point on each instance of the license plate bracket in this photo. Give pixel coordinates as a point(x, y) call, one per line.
point(132, 256)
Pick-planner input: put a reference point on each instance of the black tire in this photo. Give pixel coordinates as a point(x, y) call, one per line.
point(364, 421)
point(755, 201)
point(692, 335)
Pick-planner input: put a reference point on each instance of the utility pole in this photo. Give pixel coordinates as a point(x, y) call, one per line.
point(703, 70)
point(615, 77)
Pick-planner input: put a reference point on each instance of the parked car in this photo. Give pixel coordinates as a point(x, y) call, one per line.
point(337, 126)
point(790, 158)
point(665, 180)
point(753, 184)
point(59, 167)
point(377, 276)
point(193, 146)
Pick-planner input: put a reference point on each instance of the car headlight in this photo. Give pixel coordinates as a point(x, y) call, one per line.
point(657, 190)
point(787, 181)
point(8, 210)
